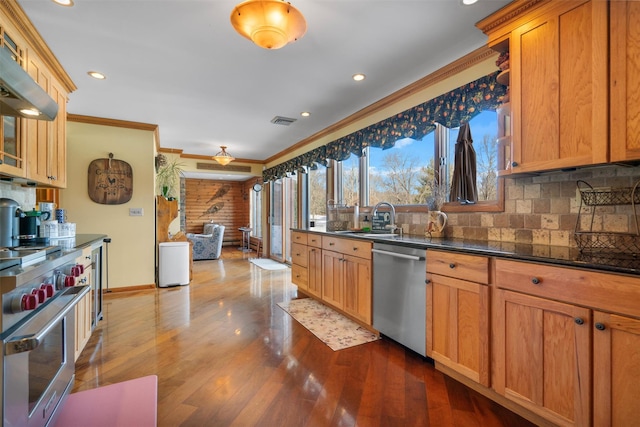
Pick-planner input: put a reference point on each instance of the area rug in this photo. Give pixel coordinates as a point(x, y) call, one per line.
point(268, 264)
point(329, 326)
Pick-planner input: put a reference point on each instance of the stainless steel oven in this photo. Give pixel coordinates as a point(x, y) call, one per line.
point(38, 341)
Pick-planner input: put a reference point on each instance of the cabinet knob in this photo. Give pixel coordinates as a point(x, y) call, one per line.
point(535, 281)
point(452, 265)
point(355, 249)
point(579, 321)
point(331, 244)
point(600, 326)
point(514, 164)
point(427, 281)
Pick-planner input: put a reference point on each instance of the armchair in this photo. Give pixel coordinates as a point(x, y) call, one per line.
point(207, 245)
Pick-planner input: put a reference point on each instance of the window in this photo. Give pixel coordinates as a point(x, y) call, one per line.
point(255, 209)
point(318, 196)
point(405, 173)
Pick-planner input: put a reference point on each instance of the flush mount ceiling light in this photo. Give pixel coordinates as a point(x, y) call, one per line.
point(223, 157)
point(358, 77)
point(469, 2)
point(67, 3)
point(270, 24)
point(97, 75)
point(305, 114)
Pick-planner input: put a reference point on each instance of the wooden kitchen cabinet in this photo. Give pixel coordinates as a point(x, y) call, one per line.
point(558, 82)
point(299, 266)
point(616, 370)
point(83, 312)
point(347, 278)
point(542, 356)
point(624, 84)
point(46, 141)
point(563, 338)
point(306, 263)
point(458, 313)
point(314, 271)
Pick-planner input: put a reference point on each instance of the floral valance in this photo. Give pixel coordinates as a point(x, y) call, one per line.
point(449, 109)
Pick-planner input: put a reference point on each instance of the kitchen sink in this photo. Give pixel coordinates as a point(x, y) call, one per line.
point(386, 235)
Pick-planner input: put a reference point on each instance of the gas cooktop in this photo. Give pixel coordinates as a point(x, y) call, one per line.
point(24, 255)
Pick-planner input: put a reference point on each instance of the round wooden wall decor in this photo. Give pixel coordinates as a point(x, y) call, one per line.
point(110, 181)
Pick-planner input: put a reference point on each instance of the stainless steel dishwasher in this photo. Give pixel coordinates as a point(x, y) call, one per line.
point(399, 294)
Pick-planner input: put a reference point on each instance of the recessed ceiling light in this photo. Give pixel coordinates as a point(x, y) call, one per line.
point(468, 2)
point(359, 77)
point(67, 3)
point(305, 114)
point(97, 75)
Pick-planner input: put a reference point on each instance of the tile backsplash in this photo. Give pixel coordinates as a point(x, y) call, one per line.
point(541, 209)
point(24, 196)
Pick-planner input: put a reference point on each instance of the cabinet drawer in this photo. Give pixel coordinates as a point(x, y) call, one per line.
point(299, 254)
point(473, 268)
point(314, 240)
point(604, 291)
point(351, 247)
point(299, 276)
point(299, 237)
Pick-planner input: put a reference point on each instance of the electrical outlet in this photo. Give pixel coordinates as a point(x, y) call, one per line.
point(136, 212)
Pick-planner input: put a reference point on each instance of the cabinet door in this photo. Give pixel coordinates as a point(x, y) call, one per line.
point(542, 356)
point(38, 132)
point(57, 156)
point(458, 326)
point(616, 370)
point(314, 285)
point(332, 273)
point(625, 80)
point(357, 288)
point(559, 88)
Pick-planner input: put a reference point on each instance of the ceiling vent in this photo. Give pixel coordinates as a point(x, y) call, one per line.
point(284, 121)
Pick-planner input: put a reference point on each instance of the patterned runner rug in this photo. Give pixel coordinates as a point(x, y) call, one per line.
point(329, 326)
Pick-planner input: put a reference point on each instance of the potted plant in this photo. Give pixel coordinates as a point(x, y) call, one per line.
point(168, 175)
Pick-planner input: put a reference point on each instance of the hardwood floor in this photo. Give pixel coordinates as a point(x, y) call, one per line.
point(226, 355)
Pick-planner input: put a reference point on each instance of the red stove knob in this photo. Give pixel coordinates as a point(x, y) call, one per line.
point(29, 302)
point(69, 281)
point(40, 294)
point(81, 268)
point(48, 289)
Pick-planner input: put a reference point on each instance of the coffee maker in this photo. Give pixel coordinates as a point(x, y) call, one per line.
point(10, 213)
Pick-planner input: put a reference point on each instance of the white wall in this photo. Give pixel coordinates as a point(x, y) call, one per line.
point(132, 248)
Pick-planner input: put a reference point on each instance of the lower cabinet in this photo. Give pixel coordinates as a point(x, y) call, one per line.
point(83, 310)
point(357, 288)
point(458, 313)
point(542, 356)
point(616, 370)
point(314, 271)
point(566, 343)
point(332, 278)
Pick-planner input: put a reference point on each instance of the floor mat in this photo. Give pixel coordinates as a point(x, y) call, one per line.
point(332, 328)
point(268, 264)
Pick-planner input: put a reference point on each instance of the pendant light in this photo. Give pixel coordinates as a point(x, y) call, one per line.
point(271, 24)
point(223, 157)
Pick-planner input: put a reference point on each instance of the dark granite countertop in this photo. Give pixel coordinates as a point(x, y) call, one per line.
point(559, 255)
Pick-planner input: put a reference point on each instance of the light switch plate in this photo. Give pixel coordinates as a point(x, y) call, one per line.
point(136, 212)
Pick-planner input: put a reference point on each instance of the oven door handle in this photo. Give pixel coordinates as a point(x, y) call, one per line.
point(25, 343)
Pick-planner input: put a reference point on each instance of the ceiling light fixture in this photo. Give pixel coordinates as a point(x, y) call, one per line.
point(359, 77)
point(270, 24)
point(305, 114)
point(97, 75)
point(469, 2)
point(67, 3)
point(223, 157)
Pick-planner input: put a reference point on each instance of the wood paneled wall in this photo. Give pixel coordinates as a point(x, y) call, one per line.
point(222, 202)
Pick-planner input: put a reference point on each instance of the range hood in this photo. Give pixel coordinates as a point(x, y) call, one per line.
point(20, 95)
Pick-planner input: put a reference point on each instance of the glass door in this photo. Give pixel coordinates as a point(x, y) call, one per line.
point(283, 214)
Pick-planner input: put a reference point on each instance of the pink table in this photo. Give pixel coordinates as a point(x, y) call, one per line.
point(126, 404)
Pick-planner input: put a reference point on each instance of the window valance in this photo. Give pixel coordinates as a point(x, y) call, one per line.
point(449, 109)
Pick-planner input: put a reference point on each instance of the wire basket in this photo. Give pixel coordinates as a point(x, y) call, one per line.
point(334, 221)
point(602, 242)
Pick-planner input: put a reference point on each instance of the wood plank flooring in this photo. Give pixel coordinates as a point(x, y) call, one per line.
point(227, 355)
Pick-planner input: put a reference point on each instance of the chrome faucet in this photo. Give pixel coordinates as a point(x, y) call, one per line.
point(391, 226)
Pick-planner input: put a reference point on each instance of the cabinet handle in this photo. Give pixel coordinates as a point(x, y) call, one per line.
point(535, 281)
point(514, 164)
point(452, 265)
point(579, 321)
point(331, 244)
point(355, 249)
point(427, 281)
point(297, 254)
point(600, 326)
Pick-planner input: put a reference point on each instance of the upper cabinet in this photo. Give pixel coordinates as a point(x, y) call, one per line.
point(625, 80)
point(32, 150)
point(558, 82)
